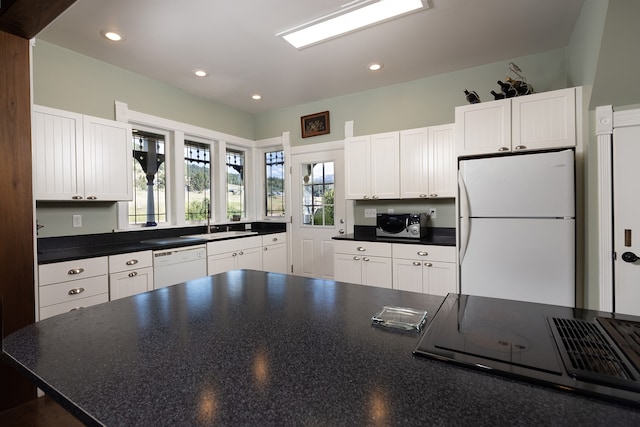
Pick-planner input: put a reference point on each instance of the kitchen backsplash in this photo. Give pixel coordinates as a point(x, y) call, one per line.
point(445, 210)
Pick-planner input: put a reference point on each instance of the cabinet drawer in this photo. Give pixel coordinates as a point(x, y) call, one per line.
point(434, 253)
point(73, 290)
point(72, 270)
point(363, 248)
point(272, 239)
point(233, 244)
point(130, 261)
point(52, 310)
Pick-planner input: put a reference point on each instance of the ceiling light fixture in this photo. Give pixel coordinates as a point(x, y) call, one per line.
point(351, 17)
point(256, 97)
point(375, 67)
point(200, 73)
point(112, 35)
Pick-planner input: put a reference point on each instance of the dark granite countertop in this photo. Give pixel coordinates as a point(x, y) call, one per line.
point(68, 248)
point(255, 348)
point(439, 236)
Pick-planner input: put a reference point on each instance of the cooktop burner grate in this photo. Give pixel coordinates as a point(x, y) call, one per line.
point(588, 355)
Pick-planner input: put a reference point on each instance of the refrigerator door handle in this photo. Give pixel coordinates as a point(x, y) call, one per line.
point(464, 216)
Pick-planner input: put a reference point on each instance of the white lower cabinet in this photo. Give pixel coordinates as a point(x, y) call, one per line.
point(130, 274)
point(274, 253)
point(69, 285)
point(364, 263)
point(424, 269)
point(244, 253)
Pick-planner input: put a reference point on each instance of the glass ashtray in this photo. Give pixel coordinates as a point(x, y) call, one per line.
point(403, 318)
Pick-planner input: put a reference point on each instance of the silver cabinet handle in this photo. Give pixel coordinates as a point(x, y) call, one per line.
point(433, 195)
point(423, 253)
point(265, 248)
point(75, 271)
point(132, 262)
point(356, 258)
point(341, 231)
point(92, 198)
point(374, 197)
point(275, 239)
point(234, 254)
point(133, 274)
point(428, 264)
point(520, 147)
point(503, 149)
point(423, 196)
point(365, 259)
point(76, 197)
point(417, 263)
point(361, 249)
point(76, 291)
point(365, 197)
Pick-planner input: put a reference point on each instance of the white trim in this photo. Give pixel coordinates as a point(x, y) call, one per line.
point(314, 148)
point(604, 132)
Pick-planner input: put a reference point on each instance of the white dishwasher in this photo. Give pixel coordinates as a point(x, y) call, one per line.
point(171, 266)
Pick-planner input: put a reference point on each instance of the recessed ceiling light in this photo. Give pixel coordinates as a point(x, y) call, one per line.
point(375, 67)
point(112, 35)
point(256, 97)
point(200, 73)
point(352, 16)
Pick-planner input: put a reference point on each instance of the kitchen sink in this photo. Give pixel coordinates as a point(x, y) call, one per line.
point(219, 235)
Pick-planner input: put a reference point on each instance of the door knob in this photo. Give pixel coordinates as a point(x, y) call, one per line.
point(629, 257)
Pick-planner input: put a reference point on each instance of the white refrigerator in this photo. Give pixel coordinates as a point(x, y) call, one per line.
point(517, 227)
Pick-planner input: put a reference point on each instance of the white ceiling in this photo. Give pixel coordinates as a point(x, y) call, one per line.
point(235, 42)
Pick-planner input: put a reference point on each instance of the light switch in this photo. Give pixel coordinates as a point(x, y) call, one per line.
point(370, 213)
point(77, 221)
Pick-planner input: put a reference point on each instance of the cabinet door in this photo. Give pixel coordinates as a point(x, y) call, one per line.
point(250, 259)
point(414, 161)
point(442, 162)
point(385, 165)
point(357, 167)
point(544, 120)
point(274, 258)
point(376, 271)
point(126, 283)
point(221, 263)
point(407, 275)
point(439, 278)
point(107, 160)
point(55, 160)
point(347, 268)
point(483, 128)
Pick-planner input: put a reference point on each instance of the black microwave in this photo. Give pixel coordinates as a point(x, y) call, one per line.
point(406, 226)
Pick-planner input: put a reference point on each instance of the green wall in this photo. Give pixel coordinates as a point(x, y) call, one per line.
point(70, 81)
point(423, 102)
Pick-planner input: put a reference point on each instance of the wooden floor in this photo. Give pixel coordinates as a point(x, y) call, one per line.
point(43, 412)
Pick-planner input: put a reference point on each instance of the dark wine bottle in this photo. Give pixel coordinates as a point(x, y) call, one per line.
point(497, 95)
point(508, 90)
point(472, 97)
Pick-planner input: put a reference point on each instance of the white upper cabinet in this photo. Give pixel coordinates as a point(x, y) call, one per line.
point(78, 157)
point(372, 166)
point(532, 122)
point(427, 162)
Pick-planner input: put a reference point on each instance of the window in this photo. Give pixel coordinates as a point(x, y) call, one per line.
point(197, 181)
point(149, 205)
point(318, 194)
point(235, 184)
point(274, 179)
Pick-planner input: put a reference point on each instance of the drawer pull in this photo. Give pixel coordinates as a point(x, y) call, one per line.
point(423, 253)
point(76, 197)
point(357, 258)
point(133, 274)
point(240, 253)
point(75, 271)
point(365, 259)
point(266, 249)
point(417, 263)
point(275, 239)
point(361, 249)
point(428, 264)
point(76, 291)
point(92, 198)
point(503, 149)
point(423, 196)
point(132, 262)
point(521, 147)
point(234, 254)
point(433, 195)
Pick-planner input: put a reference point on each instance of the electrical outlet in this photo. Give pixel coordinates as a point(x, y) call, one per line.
point(370, 213)
point(77, 221)
point(432, 213)
point(390, 210)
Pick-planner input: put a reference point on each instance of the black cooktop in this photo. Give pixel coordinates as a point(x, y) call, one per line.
point(577, 350)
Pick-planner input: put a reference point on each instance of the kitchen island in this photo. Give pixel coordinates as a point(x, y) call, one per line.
point(254, 348)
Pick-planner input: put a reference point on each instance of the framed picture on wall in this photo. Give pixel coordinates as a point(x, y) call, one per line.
point(315, 124)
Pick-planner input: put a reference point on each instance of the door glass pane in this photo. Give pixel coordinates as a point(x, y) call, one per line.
point(318, 194)
point(235, 184)
point(197, 180)
point(274, 178)
point(149, 204)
